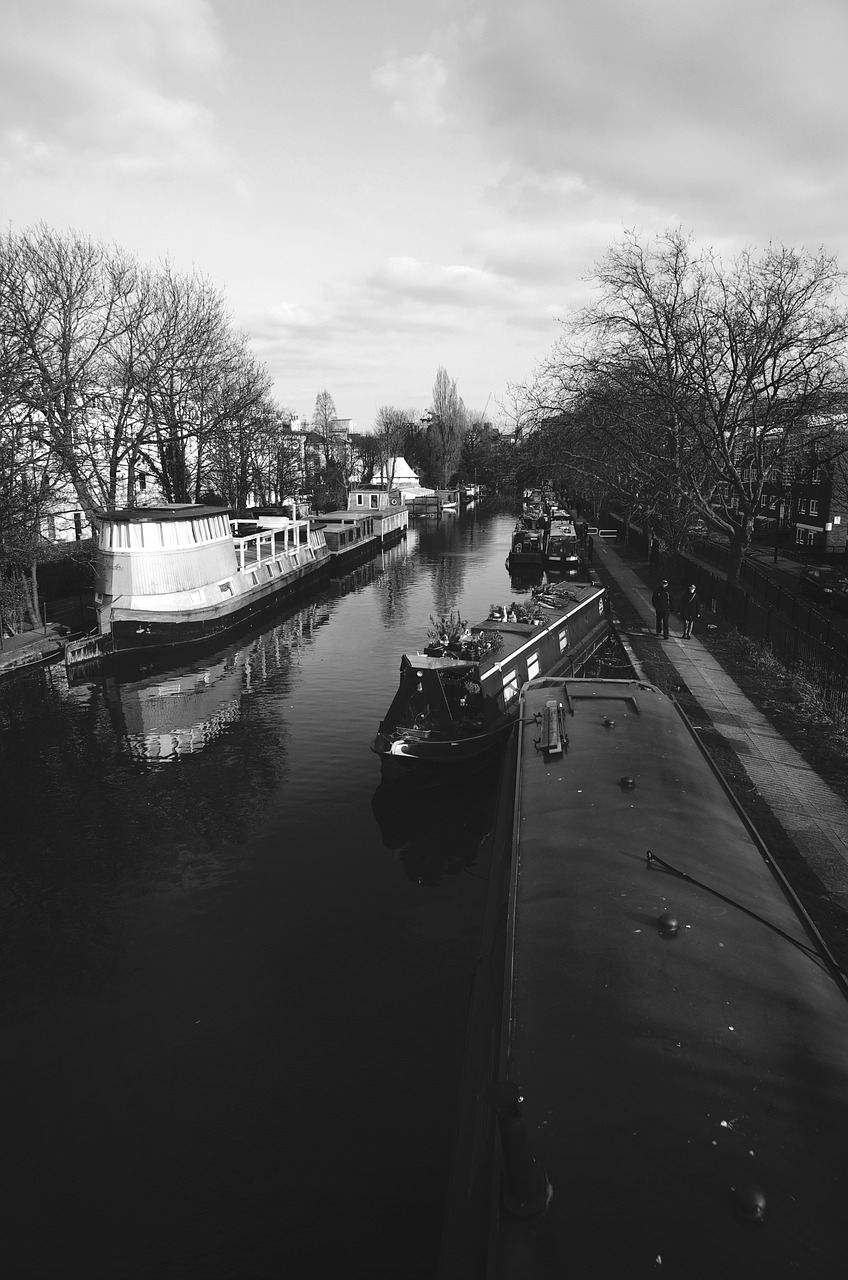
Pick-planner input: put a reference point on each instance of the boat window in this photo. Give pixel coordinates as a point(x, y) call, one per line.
point(563, 640)
point(153, 535)
point(510, 687)
point(532, 666)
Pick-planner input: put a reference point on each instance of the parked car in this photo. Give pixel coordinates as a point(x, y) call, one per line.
point(828, 585)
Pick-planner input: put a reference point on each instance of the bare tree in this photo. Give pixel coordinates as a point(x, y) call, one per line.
point(70, 300)
point(391, 429)
point(699, 382)
point(324, 419)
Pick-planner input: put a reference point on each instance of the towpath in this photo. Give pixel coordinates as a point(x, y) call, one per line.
point(804, 822)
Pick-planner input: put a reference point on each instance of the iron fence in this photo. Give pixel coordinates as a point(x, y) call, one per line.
point(800, 636)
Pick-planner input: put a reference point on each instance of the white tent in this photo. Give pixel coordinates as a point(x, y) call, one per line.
point(404, 478)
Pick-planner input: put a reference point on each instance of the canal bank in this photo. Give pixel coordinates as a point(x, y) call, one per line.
point(32, 648)
point(802, 818)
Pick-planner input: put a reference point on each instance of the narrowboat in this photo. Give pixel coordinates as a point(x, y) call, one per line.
point(533, 502)
point(176, 576)
point(656, 1070)
point(457, 701)
point(529, 540)
point(561, 554)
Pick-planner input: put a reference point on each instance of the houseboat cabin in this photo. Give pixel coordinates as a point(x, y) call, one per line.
point(172, 576)
point(386, 506)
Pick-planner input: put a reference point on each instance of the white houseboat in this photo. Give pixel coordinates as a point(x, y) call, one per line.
point(387, 506)
point(169, 577)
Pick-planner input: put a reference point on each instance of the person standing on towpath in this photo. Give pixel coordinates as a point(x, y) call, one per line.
point(690, 609)
point(661, 600)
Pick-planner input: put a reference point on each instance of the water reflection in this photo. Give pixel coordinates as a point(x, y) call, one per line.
point(523, 580)
point(181, 710)
point(436, 832)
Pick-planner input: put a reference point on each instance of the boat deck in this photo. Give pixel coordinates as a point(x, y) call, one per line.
point(667, 1074)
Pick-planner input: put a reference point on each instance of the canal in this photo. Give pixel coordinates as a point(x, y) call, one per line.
point(236, 968)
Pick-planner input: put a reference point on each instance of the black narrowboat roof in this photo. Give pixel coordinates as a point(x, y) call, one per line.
point(679, 1040)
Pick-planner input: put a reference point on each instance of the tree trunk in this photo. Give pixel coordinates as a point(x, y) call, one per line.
point(31, 596)
point(735, 556)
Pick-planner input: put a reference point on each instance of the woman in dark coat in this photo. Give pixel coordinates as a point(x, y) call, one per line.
point(690, 609)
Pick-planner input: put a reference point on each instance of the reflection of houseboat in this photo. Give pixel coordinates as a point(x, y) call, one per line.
point(164, 717)
point(180, 710)
point(457, 701)
point(561, 555)
point(529, 540)
point(176, 576)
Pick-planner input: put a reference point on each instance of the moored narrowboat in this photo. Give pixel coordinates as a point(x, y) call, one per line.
point(561, 553)
point(457, 701)
point(529, 540)
point(656, 1073)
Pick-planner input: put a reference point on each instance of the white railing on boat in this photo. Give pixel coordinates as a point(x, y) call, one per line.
point(284, 543)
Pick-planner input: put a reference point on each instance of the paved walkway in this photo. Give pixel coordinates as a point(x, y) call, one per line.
point(811, 814)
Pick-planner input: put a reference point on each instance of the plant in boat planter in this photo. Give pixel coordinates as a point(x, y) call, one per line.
point(447, 631)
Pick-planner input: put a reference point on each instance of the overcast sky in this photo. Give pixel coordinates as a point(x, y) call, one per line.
point(381, 187)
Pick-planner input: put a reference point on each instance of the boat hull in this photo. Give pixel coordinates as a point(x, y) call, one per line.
point(141, 633)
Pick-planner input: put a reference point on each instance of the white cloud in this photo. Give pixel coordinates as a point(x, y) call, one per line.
point(415, 85)
point(456, 286)
point(105, 86)
point(713, 112)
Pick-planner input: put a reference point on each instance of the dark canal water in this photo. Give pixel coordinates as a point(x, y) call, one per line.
point(235, 972)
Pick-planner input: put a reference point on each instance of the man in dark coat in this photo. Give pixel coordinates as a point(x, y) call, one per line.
point(661, 600)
